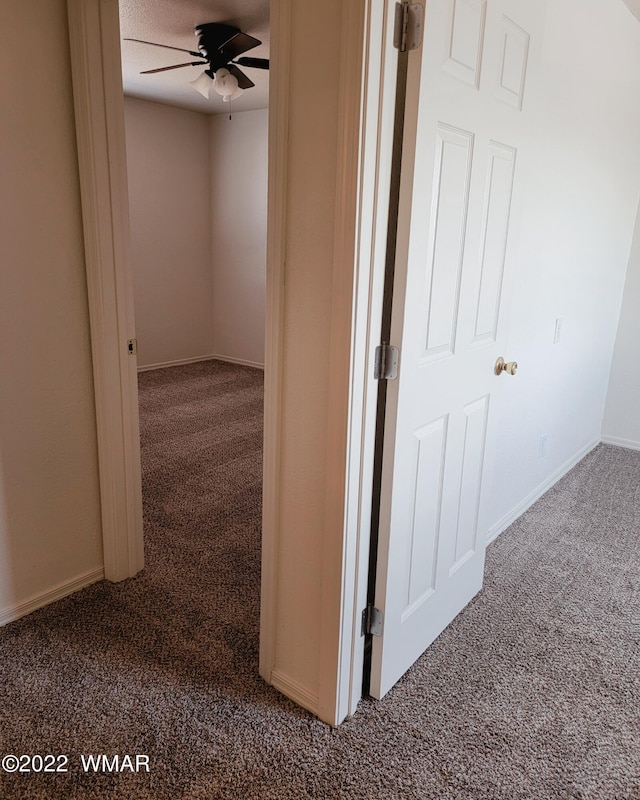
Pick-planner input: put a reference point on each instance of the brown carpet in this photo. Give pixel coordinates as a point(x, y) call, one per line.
point(533, 692)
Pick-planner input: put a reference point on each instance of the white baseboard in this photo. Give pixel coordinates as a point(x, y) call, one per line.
point(630, 444)
point(37, 601)
point(243, 362)
point(295, 691)
point(182, 361)
point(511, 516)
point(177, 363)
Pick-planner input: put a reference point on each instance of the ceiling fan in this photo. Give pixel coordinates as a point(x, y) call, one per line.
point(219, 49)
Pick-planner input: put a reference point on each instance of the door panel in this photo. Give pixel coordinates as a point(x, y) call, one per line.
point(455, 260)
point(454, 148)
point(495, 230)
point(424, 507)
point(513, 64)
point(465, 33)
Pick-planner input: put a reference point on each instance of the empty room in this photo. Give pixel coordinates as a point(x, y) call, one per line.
point(197, 190)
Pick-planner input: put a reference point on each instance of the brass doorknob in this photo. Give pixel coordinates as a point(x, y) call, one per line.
point(510, 367)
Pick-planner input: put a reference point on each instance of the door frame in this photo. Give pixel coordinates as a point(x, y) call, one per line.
point(94, 39)
point(366, 110)
point(377, 121)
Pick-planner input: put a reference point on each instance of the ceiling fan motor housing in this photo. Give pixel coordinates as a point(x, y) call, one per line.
point(211, 37)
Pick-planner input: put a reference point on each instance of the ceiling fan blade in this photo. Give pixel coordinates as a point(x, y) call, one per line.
point(244, 82)
point(175, 66)
point(256, 63)
point(166, 46)
point(237, 44)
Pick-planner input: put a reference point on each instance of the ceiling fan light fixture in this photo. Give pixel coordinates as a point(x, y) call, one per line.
point(227, 98)
point(203, 84)
point(225, 83)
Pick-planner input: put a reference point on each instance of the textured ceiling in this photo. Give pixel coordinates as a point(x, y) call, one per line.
point(172, 22)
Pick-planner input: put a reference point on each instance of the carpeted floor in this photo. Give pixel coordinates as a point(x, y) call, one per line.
point(532, 693)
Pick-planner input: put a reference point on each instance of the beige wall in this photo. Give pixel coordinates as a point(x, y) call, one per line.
point(49, 499)
point(169, 202)
point(307, 387)
point(198, 195)
point(622, 418)
point(239, 233)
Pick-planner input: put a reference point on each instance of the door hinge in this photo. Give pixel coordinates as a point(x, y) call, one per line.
point(372, 621)
point(132, 346)
point(409, 22)
point(385, 367)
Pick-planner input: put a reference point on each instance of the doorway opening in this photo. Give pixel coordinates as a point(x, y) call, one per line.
point(197, 188)
point(95, 45)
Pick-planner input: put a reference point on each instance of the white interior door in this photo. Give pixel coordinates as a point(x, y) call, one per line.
point(467, 90)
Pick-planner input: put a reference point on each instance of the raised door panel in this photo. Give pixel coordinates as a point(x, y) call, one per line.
point(513, 63)
point(430, 446)
point(448, 229)
point(494, 239)
point(465, 40)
